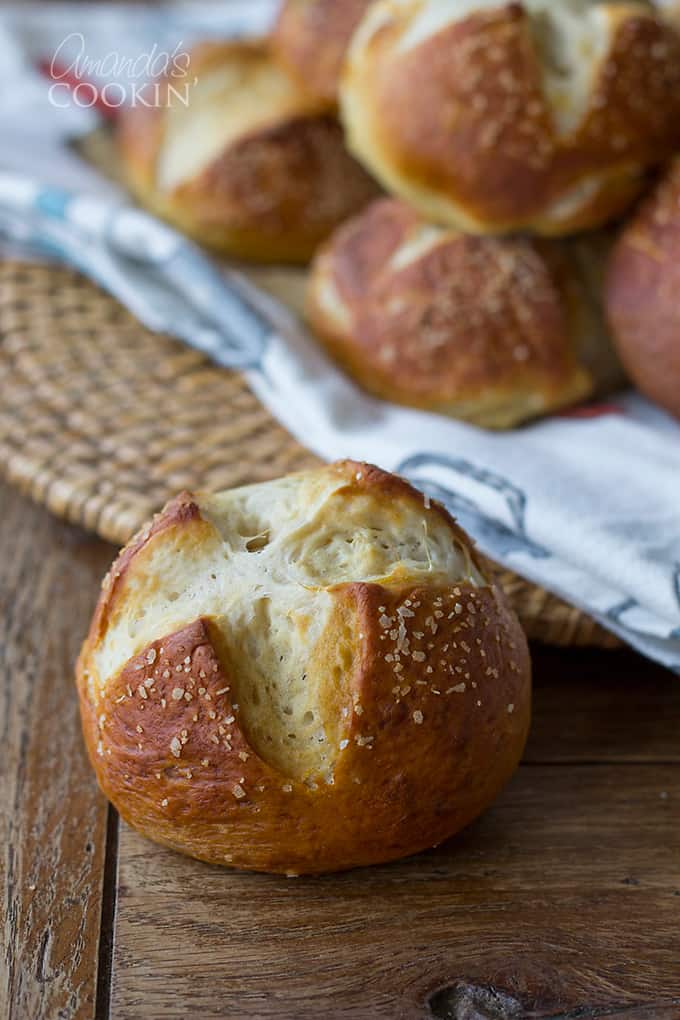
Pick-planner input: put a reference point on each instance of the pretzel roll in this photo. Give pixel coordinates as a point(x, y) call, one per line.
point(311, 38)
point(490, 330)
point(491, 117)
point(303, 676)
point(250, 165)
point(643, 294)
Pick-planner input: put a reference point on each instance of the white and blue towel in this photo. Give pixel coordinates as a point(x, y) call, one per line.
point(587, 507)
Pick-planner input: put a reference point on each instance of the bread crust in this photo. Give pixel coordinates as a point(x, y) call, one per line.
point(431, 708)
point(641, 294)
point(462, 126)
point(490, 330)
point(311, 37)
point(273, 193)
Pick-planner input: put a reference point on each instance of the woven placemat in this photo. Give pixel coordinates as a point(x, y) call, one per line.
point(102, 421)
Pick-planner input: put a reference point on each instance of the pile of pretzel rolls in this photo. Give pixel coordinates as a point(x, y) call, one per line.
point(464, 177)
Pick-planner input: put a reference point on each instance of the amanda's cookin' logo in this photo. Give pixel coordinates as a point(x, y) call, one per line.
point(116, 80)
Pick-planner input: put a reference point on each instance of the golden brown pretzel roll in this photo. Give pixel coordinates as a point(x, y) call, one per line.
point(303, 676)
point(492, 116)
point(251, 166)
point(491, 330)
point(311, 38)
point(643, 294)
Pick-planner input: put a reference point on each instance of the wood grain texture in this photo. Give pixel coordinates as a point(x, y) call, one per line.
point(603, 706)
point(53, 822)
point(565, 897)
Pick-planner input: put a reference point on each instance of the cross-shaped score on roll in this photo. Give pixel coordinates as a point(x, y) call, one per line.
point(304, 675)
point(237, 155)
point(493, 117)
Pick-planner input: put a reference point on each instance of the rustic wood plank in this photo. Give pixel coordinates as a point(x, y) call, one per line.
point(565, 897)
point(609, 706)
point(53, 823)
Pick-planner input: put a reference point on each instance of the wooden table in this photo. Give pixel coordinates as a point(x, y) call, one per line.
point(563, 901)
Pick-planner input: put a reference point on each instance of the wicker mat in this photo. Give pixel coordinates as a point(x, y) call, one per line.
point(102, 420)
